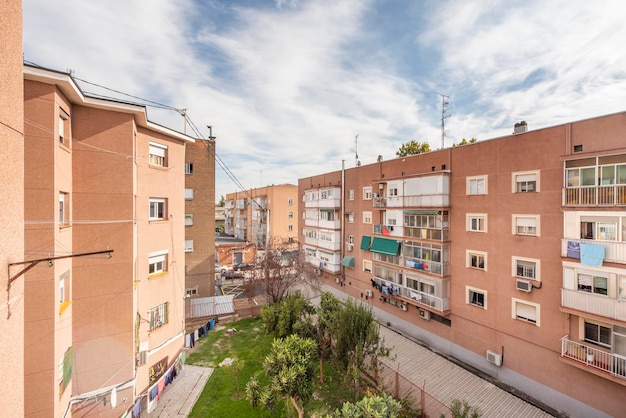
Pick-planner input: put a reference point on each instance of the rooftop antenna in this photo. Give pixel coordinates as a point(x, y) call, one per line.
point(445, 107)
point(356, 152)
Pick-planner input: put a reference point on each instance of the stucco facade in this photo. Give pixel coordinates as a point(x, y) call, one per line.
point(471, 246)
point(104, 199)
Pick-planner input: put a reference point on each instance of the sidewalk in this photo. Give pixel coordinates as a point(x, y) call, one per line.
point(180, 397)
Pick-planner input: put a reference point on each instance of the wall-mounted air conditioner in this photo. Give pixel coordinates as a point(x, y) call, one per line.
point(349, 247)
point(523, 285)
point(495, 358)
point(369, 293)
point(424, 314)
point(404, 307)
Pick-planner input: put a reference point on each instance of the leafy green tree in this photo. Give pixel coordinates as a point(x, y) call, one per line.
point(290, 367)
point(291, 315)
point(326, 316)
point(462, 409)
point(356, 338)
point(222, 201)
point(234, 369)
point(465, 142)
point(370, 407)
point(413, 147)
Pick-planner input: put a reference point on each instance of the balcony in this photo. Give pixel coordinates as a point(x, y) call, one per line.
point(594, 360)
point(329, 224)
point(379, 202)
point(311, 222)
point(417, 298)
point(388, 230)
point(614, 251)
point(611, 195)
point(329, 245)
point(594, 304)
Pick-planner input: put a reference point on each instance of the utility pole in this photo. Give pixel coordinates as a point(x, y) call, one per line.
point(445, 107)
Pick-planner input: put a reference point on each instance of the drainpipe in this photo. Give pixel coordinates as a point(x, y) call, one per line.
point(342, 221)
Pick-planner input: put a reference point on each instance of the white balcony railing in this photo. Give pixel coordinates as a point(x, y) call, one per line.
point(329, 224)
point(614, 251)
point(329, 245)
point(594, 304)
point(311, 222)
point(594, 358)
point(610, 195)
point(432, 301)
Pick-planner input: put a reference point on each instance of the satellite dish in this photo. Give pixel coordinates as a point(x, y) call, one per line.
point(114, 398)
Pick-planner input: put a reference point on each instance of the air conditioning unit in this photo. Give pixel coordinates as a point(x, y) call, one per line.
point(495, 358)
point(404, 307)
point(424, 314)
point(349, 247)
point(523, 285)
point(141, 358)
point(374, 195)
point(369, 293)
point(337, 280)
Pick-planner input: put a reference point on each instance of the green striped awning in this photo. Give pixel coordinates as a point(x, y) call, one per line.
point(348, 261)
point(385, 246)
point(366, 241)
point(421, 212)
point(327, 210)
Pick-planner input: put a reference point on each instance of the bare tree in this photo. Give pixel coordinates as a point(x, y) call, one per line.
point(282, 269)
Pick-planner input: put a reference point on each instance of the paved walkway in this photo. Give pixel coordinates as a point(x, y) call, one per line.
point(180, 397)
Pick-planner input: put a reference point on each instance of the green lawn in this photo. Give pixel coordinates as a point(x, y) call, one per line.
point(251, 344)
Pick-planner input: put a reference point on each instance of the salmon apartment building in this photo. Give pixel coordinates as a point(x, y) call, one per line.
point(508, 254)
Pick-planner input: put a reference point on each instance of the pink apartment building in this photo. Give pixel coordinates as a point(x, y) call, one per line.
point(105, 211)
point(508, 254)
point(12, 207)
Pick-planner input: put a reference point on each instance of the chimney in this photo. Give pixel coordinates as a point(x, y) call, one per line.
point(520, 127)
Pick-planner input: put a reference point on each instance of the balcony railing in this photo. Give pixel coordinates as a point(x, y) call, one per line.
point(426, 299)
point(594, 304)
point(594, 358)
point(611, 195)
point(329, 224)
point(614, 251)
point(379, 202)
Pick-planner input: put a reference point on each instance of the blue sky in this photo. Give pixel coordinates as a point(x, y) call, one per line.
point(288, 84)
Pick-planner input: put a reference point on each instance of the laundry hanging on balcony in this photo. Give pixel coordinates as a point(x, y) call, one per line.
point(591, 254)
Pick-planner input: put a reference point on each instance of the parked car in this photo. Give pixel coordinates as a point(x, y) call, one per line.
point(222, 269)
point(243, 266)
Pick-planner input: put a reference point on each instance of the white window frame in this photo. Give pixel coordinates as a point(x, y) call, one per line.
point(583, 334)
point(515, 261)
point(523, 224)
point(367, 193)
point(476, 185)
point(290, 228)
point(367, 266)
point(476, 217)
point(470, 254)
point(188, 168)
point(290, 214)
point(351, 239)
point(367, 217)
point(63, 125)
point(591, 277)
point(157, 154)
point(154, 203)
point(65, 287)
point(290, 202)
point(158, 259)
point(392, 191)
point(64, 209)
point(521, 310)
point(468, 297)
point(188, 245)
point(188, 219)
point(188, 194)
point(351, 194)
point(192, 291)
point(521, 179)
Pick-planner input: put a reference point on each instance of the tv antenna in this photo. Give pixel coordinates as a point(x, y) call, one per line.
point(356, 152)
point(445, 107)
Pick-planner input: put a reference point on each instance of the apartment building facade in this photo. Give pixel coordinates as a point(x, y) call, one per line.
point(200, 218)
point(507, 254)
point(104, 211)
point(258, 214)
point(12, 206)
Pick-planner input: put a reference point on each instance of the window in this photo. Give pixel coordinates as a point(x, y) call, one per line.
point(593, 284)
point(158, 154)
point(477, 222)
point(64, 209)
point(367, 193)
point(157, 262)
point(290, 214)
point(290, 202)
point(367, 266)
point(526, 225)
point(350, 216)
point(188, 219)
point(526, 182)
point(188, 168)
point(525, 311)
point(476, 185)
point(526, 268)
point(367, 217)
point(581, 176)
point(158, 316)
point(188, 245)
point(191, 292)
point(64, 120)
point(392, 191)
point(476, 297)
point(188, 194)
point(158, 209)
point(351, 239)
point(290, 228)
point(598, 230)
point(597, 334)
point(351, 194)
point(64, 291)
point(477, 259)
point(66, 364)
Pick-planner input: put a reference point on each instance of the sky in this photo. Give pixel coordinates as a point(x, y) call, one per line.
point(293, 88)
